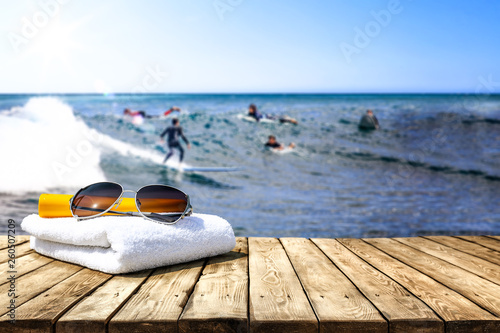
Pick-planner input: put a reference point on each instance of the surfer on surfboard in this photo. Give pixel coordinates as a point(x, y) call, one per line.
point(252, 112)
point(172, 109)
point(143, 114)
point(173, 133)
point(128, 112)
point(273, 144)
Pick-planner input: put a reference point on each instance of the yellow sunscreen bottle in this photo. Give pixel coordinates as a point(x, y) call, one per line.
point(57, 205)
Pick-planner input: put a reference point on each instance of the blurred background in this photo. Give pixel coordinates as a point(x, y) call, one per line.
point(428, 71)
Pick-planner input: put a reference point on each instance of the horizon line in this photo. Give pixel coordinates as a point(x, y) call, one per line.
point(250, 93)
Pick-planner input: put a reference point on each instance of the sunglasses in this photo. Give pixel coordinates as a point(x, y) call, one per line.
point(158, 203)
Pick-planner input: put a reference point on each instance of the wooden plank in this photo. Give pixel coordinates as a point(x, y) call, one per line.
point(93, 313)
point(23, 249)
point(277, 301)
point(338, 304)
point(39, 314)
point(460, 314)
point(157, 305)
point(22, 266)
point(489, 242)
point(482, 292)
point(468, 247)
point(19, 239)
point(405, 312)
point(37, 281)
point(478, 266)
point(20, 250)
point(219, 302)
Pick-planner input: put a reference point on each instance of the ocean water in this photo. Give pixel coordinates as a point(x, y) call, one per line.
point(432, 168)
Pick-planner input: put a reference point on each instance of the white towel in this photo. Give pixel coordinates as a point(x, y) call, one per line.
point(122, 244)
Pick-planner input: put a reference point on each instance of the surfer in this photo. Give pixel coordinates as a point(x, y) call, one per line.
point(273, 144)
point(172, 109)
point(252, 112)
point(143, 114)
point(173, 133)
point(128, 112)
point(368, 121)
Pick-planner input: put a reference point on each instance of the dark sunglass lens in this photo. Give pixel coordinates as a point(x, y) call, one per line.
point(161, 203)
point(95, 199)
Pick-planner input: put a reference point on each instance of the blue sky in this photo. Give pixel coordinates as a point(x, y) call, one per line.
point(249, 46)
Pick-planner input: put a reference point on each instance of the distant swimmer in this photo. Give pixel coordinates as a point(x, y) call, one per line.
point(368, 121)
point(128, 112)
point(173, 133)
point(273, 144)
point(143, 114)
point(172, 109)
point(252, 112)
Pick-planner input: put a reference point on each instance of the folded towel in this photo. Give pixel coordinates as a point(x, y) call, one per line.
point(116, 244)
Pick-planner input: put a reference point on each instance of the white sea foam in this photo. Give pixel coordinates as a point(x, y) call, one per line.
point(128, 150)
point(45, 146)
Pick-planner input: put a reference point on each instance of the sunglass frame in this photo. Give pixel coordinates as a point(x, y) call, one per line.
point(187, 212)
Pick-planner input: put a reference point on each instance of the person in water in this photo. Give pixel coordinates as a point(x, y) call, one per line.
point(252, 112)
point(128, 112)
point(143, 114)
point(173, 133)
point(369, 121)
point(273, 144)
point(172, 109)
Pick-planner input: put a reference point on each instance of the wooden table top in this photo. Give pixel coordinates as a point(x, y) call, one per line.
point(418, 284)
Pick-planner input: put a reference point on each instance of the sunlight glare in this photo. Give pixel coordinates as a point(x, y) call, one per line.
point(54, 44)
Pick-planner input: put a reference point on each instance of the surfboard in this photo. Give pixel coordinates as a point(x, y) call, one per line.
point(285, 150)
point(136, 120)
point(210, 169)
point(253, 120)
point(188, 168)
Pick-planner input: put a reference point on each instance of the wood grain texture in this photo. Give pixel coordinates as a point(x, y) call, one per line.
point(482, 292)
point(468, 247)
point(19, 239)
point(473, 264)
point(93, 312)
point(460, 314)
point(20, 250)
point(37, 281)
point(290, 285)
point(338, 304)
point(490, 242)
point(23, 265)
point(277, 301)
point(40, 313)
point(405, 312)
point(159, 302)
point(219, 302)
